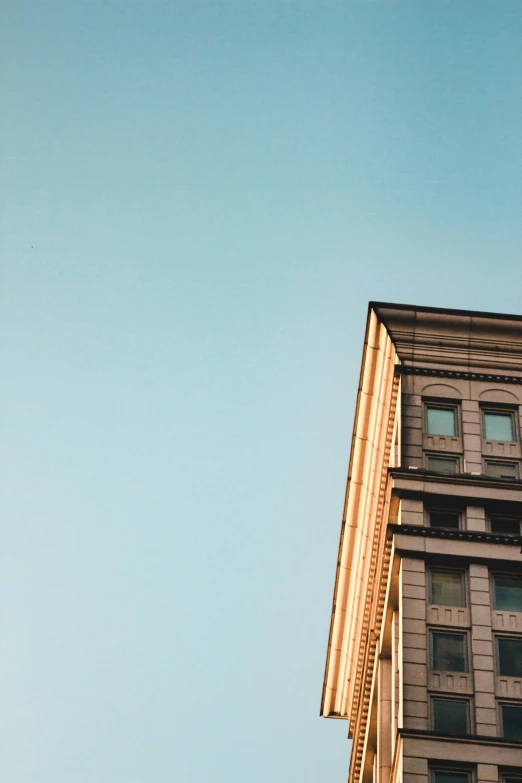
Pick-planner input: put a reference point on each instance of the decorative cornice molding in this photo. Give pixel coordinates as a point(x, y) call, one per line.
point(487, 377)
point(363, 536)
point(379, 570)
point(464, 340)
point(361, 706)
point(454, 535)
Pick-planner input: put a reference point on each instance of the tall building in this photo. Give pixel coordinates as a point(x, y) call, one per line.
point(425, 647)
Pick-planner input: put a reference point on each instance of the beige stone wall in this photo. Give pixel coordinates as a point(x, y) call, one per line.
point(414, 647)
point(469, 445)
point(478, 620)
point(485, 761)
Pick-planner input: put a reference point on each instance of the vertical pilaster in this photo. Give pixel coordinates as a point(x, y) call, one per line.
point(472, 436)
point(487, 773)
point(482, 651)
point(476, 518)
point(411, 512)
point(384, 720)
point(413, 579)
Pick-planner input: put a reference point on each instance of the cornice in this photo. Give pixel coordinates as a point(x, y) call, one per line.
point(460, 339)
point(409, 308)
point(454, 535)
point(405, 369)
point(361, 706)
point(372, 625)
point(363, 529)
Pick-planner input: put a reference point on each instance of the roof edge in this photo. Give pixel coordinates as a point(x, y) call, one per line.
point(372, 305)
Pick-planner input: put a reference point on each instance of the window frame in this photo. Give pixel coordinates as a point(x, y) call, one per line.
point(499, 461)
point(506, 777)
point(434, 510)
point(502, 704)
point(455, 769)
point(499, 411)
point(450, 457)
point(462, 574)
point(505, 637)
point(449, 632)
point(492, 517)
point(493, 576)
point(461, 700)
point(445, 406)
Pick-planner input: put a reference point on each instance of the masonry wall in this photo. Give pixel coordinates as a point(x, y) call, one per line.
point(468, 445)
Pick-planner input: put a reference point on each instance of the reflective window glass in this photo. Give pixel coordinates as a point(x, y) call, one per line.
point(443, 464)
point(511, 721)
point(501, 469)
point(510, 657)
point(450, 777)
point(445, 519)
point(441, 421)
point(508, 592)
point(449, 651)
point(498, 426)
point(505, 526)
point(449, 716)
point(447, 588)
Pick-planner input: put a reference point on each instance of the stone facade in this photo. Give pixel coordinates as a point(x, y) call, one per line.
point(425, 649)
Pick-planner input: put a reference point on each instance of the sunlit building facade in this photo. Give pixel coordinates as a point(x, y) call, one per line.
point(425, 648)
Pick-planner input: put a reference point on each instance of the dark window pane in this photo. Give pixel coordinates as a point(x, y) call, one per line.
point(448, 519)
point(447, 588)
point(450, 777)
point(441, 421)
point(511, 721)
point(505, 526)
point(508, 593)
point(442, 464)
point(450, 717)
point(510, 657)
point(449, 652)
point(498, 426)
point(502, 469)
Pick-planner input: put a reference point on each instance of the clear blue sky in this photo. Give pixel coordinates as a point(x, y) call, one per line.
point(200, 199)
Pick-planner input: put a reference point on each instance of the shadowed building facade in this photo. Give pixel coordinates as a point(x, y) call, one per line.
point(425, 648)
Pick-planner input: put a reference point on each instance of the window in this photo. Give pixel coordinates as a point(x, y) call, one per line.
point(509, 657)
point(450, 716)
point(506, 526)
point(448, 651)
point(499, 425)
point(511, 779)
point(511, 715)
point(441, 420)
point(447, 588)
point(450, 776)
point(443, 464)
point(445, 519)
point(508, 592)
point(501, 469)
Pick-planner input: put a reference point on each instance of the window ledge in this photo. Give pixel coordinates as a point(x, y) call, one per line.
point(456, 478)
point(471, 739)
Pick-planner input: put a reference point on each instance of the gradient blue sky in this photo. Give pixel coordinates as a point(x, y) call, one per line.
point(200, 199)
